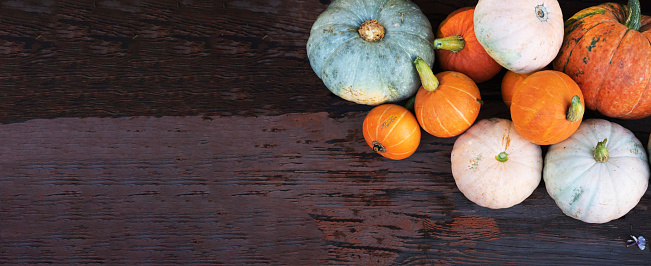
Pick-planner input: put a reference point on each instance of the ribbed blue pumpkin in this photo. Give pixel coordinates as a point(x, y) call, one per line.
point(363, 50)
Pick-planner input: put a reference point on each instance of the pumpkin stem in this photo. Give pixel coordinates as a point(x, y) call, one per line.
point(430, 82)
point(576, 110)
point(601, 152)
point(633, 15)
point(371, 30)
point(502, 157)
point(377, 147)
point(452, 43)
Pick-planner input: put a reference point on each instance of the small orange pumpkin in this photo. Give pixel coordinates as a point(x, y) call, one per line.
point(392, 131)
point(547, 107)
point(457, 48)
point(447, 104)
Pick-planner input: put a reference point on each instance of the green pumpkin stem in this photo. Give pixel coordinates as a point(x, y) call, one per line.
point(576, 110)
point(502, 157)
point(633, 15)
point(601, 152)
point(452, 43)
point(430, 82)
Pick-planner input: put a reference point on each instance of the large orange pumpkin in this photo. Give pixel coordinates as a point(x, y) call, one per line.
point(547, 107)
point(608, 58)
point(392, 131)
point(457, 48)
point(447, 104)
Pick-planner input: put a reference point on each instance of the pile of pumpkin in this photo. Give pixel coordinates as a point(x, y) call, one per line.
point(380, 52)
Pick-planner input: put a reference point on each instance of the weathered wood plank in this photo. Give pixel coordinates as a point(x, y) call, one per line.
point(289, 189)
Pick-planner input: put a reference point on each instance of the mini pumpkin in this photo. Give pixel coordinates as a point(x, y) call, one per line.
point(547, 107)
point(392, 131)
point(522, 35)
point(494, 166)
point(599, 173)
point(606, 51)
point(447, 104)
point(363, 50)
point(457, 48)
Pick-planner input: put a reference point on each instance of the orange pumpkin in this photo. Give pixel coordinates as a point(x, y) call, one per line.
point(457, 48)
point(606, 50)
point(547, 107)
point(447, 104)
point(392, 131)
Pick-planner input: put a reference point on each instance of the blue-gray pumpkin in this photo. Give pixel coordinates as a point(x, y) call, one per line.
point(363, 50)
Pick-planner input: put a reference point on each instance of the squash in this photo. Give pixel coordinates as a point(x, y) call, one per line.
point(457, 48)
point(392, 131)
point(547, 107)
point(606, 51)
point(598, 174)
point(447, 104)
point(494, 166)
point(522, 35)
point(363, 50)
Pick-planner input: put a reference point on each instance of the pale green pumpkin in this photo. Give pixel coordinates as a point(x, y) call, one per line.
point(599, 173)
point(372, 65)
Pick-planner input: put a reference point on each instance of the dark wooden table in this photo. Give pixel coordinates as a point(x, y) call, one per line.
point(195, 132)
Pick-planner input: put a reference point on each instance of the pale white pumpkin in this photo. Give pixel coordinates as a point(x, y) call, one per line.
point(521, 35)
point(494, 166)
point(593, 191)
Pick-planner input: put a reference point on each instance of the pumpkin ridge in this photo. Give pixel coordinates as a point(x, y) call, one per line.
point(334, 52)
point(612, 187)
point(356, 69)
point(647, 87)
point(577, 40)
point(577, 178)
point(380, 118)
point(368, 133)
point(457, 110)
point(364, 9)
point(464, 91)
point(423, 38)
point(402, 47)
point(405, 138)
point(393, 126)
point(597, 10)
point(381, 9)
point(352, 14)
point(439, 121)
point(612, 55)
point(602, 77)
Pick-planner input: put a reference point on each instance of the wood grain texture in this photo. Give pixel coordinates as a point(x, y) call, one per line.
point(290, 189)
point(195, 132)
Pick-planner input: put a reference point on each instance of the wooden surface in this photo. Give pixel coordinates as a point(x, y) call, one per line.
point(195, 132)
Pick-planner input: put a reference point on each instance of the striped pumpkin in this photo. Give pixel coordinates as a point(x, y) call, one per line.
point(392, 131)
point(447, 104)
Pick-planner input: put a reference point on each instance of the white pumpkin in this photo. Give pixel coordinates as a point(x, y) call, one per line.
point(494, 166)
point(521, 35)
point(587, 189)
